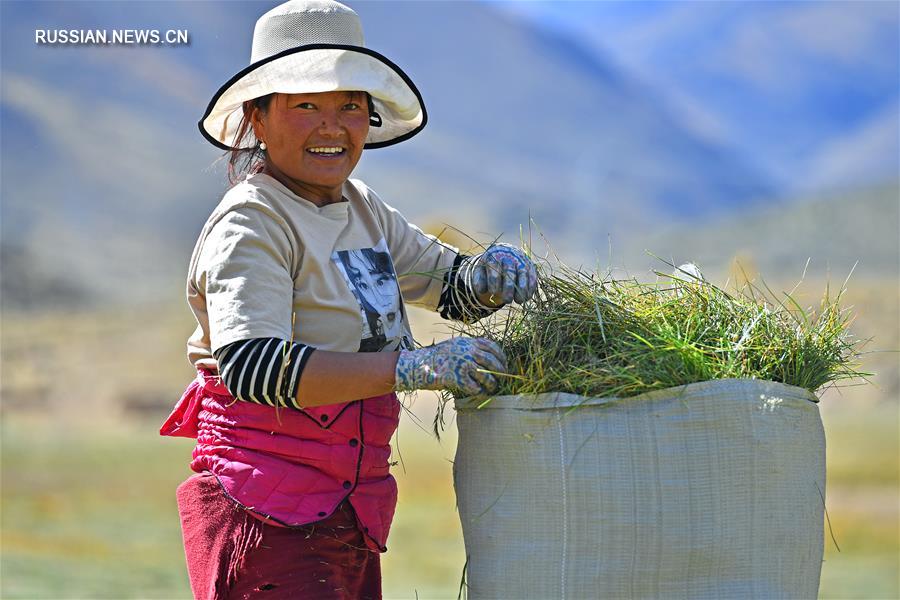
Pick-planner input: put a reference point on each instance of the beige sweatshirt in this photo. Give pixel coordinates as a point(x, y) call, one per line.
point(269, 263)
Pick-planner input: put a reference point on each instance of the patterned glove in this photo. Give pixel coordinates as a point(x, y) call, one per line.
point(502, 273)
point(456, 365)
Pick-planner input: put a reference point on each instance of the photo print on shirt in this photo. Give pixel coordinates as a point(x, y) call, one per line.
point(369, 272)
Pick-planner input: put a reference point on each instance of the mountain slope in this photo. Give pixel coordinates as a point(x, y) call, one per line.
point(835, 232)
point(777, 80)
point(106, 181)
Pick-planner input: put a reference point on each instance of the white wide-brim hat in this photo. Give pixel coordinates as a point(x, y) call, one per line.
point(309, 46)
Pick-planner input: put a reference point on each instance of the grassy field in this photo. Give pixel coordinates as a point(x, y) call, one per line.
point(88, 505)
point(90, 513)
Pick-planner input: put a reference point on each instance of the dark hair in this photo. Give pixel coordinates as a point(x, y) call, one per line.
point(249, 158)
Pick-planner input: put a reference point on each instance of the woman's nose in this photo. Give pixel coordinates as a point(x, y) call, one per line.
point(331, 124)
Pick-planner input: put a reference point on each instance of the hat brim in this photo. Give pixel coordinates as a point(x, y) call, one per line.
point(320, 68)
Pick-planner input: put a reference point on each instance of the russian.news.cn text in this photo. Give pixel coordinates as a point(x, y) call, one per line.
point(100, 37)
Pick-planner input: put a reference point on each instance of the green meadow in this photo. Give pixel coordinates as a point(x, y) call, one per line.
point(88, 504)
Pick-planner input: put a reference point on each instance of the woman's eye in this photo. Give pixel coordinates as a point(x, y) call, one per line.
point(351, 106)
point(306, 105)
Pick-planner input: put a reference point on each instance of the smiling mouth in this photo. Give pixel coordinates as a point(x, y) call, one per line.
point(327, 151)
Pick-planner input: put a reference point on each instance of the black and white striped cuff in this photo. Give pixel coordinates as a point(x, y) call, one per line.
point(458, 300)
point(263, 370)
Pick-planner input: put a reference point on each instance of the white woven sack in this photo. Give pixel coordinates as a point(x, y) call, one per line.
point(710, 490)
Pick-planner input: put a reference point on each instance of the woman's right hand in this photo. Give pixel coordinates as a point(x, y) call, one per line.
point(461, 365)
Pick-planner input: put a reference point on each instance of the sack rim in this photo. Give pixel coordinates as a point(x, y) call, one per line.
point(559, 400)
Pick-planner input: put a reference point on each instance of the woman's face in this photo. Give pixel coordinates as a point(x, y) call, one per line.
point(379, 287)
point(313, 141)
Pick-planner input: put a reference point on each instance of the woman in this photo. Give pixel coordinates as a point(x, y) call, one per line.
point(298, 358)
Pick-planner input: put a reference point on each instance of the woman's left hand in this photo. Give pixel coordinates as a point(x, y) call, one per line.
point(502, 274)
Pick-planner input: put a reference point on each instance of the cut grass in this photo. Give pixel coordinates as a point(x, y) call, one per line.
point(596, 336)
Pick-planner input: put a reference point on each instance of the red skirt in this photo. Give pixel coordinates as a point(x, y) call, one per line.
point(232, 554)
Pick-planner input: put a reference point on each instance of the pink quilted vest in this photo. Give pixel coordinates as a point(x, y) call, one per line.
point(294, 467)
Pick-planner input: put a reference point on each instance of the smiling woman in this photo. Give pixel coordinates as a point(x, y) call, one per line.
point(295, 284)
point(312, 141)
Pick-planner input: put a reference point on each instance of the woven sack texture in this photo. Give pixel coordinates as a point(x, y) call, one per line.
point(710, 490)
